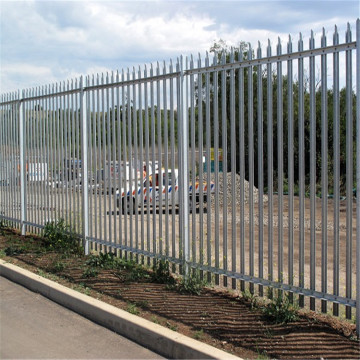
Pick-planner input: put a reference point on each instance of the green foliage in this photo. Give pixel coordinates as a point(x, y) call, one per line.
point(171, 326)
point(155, 320)
point(270, 81)
point(103, 260)
point(57, 267)
point(143, 304)
point(199, 334)
point(90, 273)
point(81, 287)
point(191, 284)
point(280, 309)
point(3, 226)
point(13, 250)
point(250, 298)
point(59, 237)
point(132, 309)
point(135, 272)
point(161, 273)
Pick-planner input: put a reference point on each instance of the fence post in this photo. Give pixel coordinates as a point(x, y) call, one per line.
point(84, 167)
point(358, 177)
point(22, 163)
point(183, 174)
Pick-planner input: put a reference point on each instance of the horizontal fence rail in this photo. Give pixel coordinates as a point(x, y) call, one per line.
point(242, 165)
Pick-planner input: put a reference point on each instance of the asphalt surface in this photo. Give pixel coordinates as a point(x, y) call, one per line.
point(33, 327)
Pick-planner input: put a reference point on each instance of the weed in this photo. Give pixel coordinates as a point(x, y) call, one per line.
point(41, 273)
point(268, 333)
point(137, 273)
point(103, 260)
point(132, 309)
point(171, 326)
point(143, 304)
point(161, 273)
point(280, 309)
point(155, 320)
point(262, 355)
point(90, 273)
point(56, 267)
point(199, 334)
point(191, 284)
point(354, 338)
point(3, 226)
point(250, 298)
point(13, 250)
point(81, 287)
point(59, 237)
point(2, 254)
point(110, 261)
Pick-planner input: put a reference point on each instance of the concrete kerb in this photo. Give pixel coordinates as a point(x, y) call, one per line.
point(153, 336)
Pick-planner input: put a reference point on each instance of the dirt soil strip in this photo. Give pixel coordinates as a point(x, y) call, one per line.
point(217, 317)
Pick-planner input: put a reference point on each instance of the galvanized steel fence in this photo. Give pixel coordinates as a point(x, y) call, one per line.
point(244, 167)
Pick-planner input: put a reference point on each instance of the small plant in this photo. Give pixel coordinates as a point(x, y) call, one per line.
point(250, 298)
point(132, 309)
point(41, 273)
point(155, 320)
point(13, 250)
point(161, 273)
point(268, 333)
point(171, 326)
point(2, 254)
point(262, 355)
point(57, 267)
point(3, 226)
point(90, 273)
point(59, 237)
point(81, 287)
point(143, 304)
point(136, 273)
point(191, 284)
point(280, 309)
point(199, 334)
point(103, 260)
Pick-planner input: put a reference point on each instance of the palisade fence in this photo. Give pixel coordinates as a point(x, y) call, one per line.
point(254, 157)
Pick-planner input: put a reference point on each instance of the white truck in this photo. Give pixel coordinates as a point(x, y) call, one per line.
point(167, 188)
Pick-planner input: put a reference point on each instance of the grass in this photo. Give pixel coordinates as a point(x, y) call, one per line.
point(132, 309)
point(154, 319)
point(198, 334)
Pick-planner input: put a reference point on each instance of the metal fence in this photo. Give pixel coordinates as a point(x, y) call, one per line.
point(244, 167)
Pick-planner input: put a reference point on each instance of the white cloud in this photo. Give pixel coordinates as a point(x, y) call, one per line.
point(68, 38)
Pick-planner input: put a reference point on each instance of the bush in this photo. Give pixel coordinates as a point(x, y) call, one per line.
point(191, 284)
point(280, 310)
point(161, 273)
point(103, 260)
point(59, 237)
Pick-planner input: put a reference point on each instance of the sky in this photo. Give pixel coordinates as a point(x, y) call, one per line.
point(44, 42)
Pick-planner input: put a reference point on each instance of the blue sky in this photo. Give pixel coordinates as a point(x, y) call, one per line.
point(43, 42)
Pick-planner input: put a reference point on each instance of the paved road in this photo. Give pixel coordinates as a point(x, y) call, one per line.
point(33, 327)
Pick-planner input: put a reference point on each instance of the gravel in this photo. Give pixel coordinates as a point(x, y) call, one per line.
point(228, 189)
